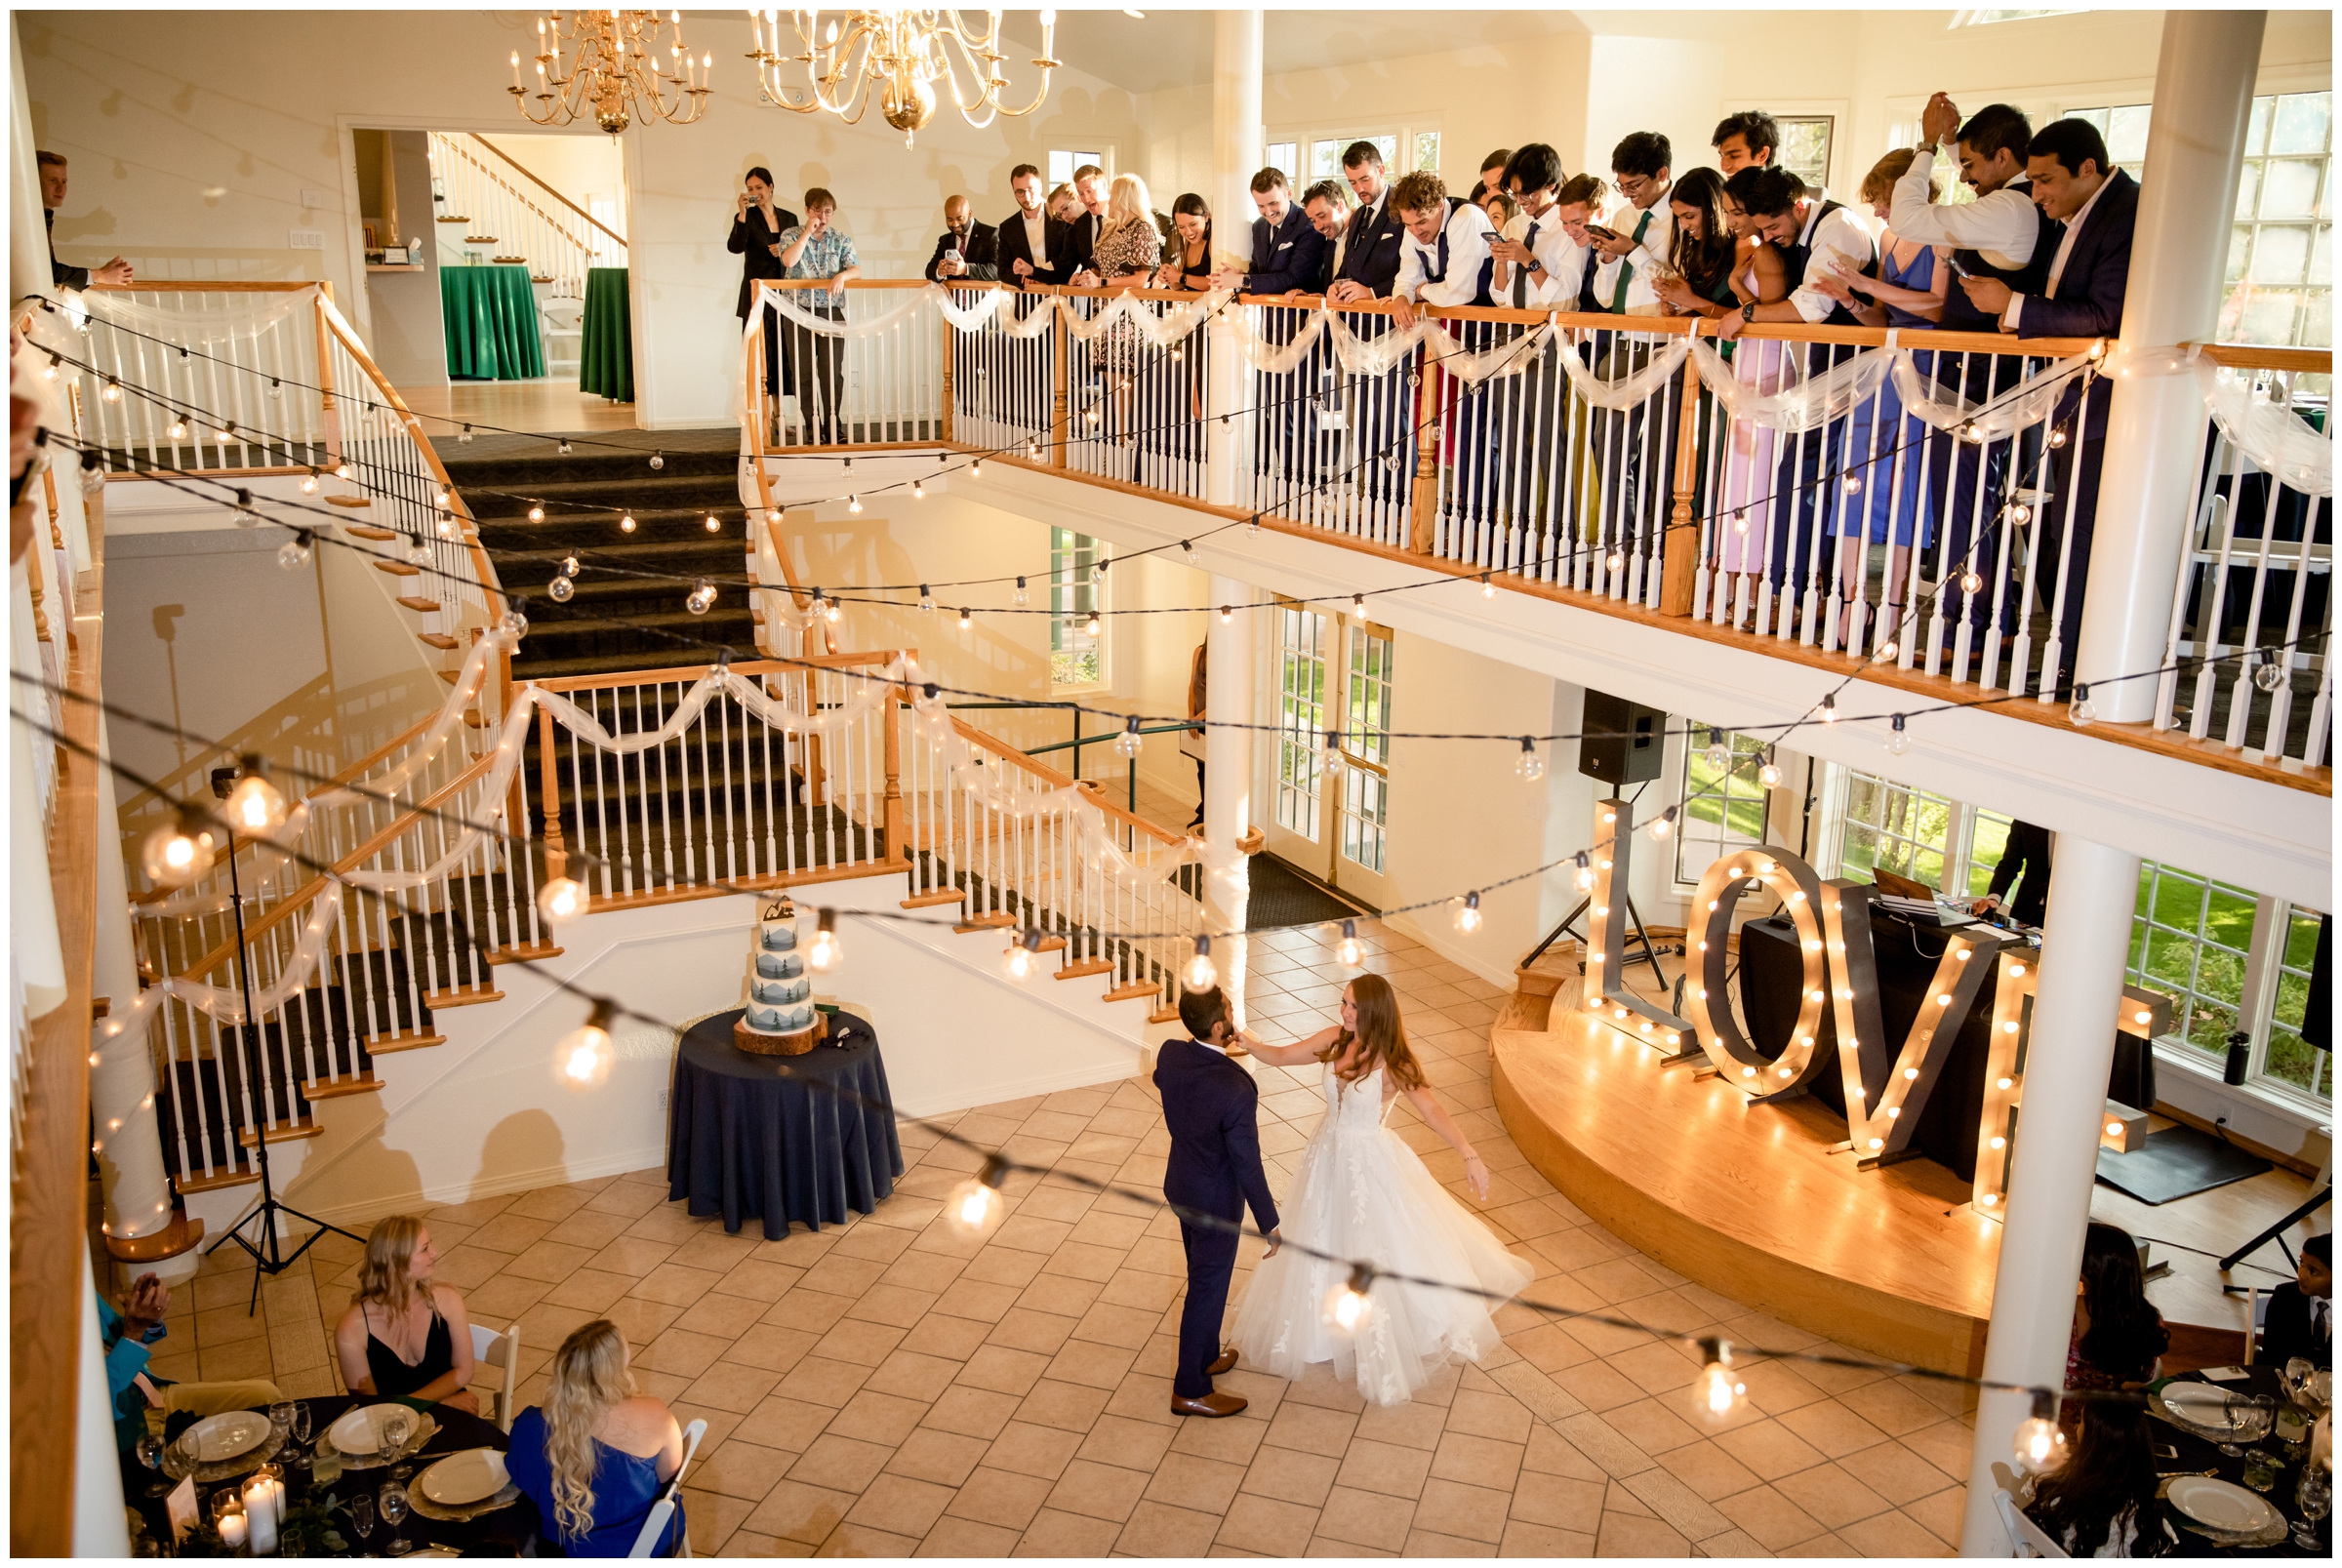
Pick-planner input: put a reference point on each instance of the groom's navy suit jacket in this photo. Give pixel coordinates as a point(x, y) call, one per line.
point(1210, 1105)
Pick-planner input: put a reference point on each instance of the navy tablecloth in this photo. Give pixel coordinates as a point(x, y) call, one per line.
point(772, 1138)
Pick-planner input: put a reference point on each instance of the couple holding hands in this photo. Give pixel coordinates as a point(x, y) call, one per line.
point(1359, 1194)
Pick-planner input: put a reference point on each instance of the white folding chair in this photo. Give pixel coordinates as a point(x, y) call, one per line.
point(2255, 1325)
point(494, 1349)
point(664, 1510)
point(2028, 1538)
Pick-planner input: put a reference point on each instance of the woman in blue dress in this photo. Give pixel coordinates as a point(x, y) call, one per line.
point(596, 1455)
point(1908, 294)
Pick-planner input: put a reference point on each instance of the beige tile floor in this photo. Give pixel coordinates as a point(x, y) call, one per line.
point(887, 1387)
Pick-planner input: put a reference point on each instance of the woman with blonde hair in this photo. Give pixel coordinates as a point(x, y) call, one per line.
point(1361, 1193)
point(404, 1336)
point(596, 1455)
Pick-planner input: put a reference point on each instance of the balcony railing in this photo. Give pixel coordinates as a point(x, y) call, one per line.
point(1904, 500)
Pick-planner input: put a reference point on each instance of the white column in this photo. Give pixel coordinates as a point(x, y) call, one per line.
point(2084, 945)
point(2155, 426)
point(1236, 143)
point(1229, 677)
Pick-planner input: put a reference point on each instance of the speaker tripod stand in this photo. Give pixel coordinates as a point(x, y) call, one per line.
point(1642, 950)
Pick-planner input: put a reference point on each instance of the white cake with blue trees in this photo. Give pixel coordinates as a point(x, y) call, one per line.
point(780, 1015)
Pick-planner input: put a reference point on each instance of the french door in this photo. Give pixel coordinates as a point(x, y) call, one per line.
point(1333, 672)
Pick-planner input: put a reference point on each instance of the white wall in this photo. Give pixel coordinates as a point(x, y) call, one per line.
point(578, 167)
point(405, 328)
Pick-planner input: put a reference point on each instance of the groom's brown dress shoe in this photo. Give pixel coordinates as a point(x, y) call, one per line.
point(1226, 1362)
point(1211, 1404)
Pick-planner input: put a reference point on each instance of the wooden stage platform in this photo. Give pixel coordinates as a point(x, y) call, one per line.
point(1749, 1201)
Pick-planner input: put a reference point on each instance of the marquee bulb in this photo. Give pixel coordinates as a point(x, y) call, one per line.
point(976, 1205)
point(625, 524)
point(1351, 1304)
point(1200, 974)
point(584, 1057)
point(1971, 583)
point(561, 901)
point(824, 953)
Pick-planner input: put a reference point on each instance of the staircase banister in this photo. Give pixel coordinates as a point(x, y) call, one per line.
point(539, 181)
point(2254, 356)
point(299, 900)
point(348, 339)
point(1059, 781)
point(687, 673)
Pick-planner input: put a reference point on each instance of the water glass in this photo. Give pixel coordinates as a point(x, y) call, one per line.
point(361, 1517)
point(2316, 1497)
point(150, 1454)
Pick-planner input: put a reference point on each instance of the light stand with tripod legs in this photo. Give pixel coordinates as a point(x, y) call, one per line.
point(268, 1256)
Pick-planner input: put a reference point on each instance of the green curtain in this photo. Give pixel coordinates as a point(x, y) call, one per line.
point(491, 317)
point(606, 356)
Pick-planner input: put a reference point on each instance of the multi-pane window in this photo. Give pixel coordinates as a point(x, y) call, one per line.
point(1427, 151)
point(1063, 164)
point(2191, 938)
point(2281, 254)
point(1988, 841)
point(1366, 746)
point(1325, 153)
point(2288, 1058)
point(1076, 655)
point(1892, 827)
point(1724, 806)
point(1806, 148)
point(1301, 726)
point(1285, 158)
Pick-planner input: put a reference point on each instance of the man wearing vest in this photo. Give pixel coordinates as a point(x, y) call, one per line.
point(2000, 237)
point(1812, 233)
point(1448, 263)
point(2096, 207)
point(1540, 266)
point(1637, 486)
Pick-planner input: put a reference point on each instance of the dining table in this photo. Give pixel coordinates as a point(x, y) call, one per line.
point(507, 1531)
point(2180, 1452)
point(490, 317)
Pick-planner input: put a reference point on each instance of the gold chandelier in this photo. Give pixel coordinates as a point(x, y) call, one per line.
point(614, 73)
point(894, 54)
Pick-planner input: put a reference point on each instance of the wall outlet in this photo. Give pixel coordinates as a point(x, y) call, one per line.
point(308, 239)
point(663, 1102)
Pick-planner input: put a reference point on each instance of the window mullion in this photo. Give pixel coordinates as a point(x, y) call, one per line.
point(2256, 1006)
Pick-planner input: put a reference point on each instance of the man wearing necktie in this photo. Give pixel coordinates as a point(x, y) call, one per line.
point(1635, 483)
point(1287, 255)
point(1538, 266)
point(1326, 204)
point(1372, 245)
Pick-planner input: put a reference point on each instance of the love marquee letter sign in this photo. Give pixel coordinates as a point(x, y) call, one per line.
point(1885, 1089)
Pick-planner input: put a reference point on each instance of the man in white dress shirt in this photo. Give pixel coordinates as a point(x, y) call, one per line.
point(2000, 241)
point(1813, 233)
point(1541, 265)
point(1372, 246)
point(1637, 489)
point(1447, 263)
point(1644, 227)
point(1749, 139)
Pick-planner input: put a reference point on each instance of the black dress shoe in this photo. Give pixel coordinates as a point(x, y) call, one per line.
point(1226, 1362)
point(1211, 1404)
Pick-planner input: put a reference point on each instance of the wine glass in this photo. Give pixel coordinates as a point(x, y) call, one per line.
point(361, 1517)
point(2249, 1417)
point(2316, 1496)
point(393, 1501)
point(398, 1425)
point(150, 1454)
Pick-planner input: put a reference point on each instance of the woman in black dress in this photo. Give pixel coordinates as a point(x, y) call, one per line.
point(756, 228)
point(404, 1336)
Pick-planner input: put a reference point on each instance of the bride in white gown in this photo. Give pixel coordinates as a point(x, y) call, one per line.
point(1361, 1193)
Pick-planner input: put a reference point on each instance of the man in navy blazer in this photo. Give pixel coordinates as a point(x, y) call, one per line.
point(1211, 1106)
point(1287, 253)
point(2097, 206)
point(1370, 257)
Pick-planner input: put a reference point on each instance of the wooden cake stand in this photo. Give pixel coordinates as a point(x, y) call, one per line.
point(797, 1044)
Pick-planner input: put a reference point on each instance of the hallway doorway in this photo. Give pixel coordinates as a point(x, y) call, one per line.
point(1331, 809)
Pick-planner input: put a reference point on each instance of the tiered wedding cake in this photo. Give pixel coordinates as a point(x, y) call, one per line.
point(780, 1019)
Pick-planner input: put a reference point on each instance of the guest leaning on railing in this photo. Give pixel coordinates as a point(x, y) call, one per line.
point(815, 250)
point(404, 1336)
point(756, 230)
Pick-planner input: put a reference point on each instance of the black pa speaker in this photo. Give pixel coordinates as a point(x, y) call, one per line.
point(1622, 741)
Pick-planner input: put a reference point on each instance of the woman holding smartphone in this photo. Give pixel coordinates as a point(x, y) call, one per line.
point(756, 227)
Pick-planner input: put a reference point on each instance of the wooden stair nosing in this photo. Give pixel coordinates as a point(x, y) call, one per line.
point(402, 1040)
point(997, 920)
point(437, 639)
point(181, 1236)
point(1095, 966)
point(531, 953)
point(414, 601)
point(231, 1176)
point(1050, 945)
point(925, 901)
point(1163, 1015)
point(398, 569)
point(354, 502)
point(336, 1088)
point(369, 531)
point(435, 1000)
point(283, 1132)
point(1130, 992)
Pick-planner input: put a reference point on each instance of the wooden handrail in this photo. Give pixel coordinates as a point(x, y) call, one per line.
point(482, 567)
point(1059, 781)
point(548, 191)
point(209, 286)
point(739, 667)
point(2252, 356)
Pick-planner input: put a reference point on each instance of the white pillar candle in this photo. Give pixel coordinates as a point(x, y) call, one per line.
point(231, 1531)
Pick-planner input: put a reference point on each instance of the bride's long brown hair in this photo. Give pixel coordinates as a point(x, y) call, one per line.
point(1381, 1038)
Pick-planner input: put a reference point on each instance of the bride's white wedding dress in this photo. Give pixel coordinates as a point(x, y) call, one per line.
point(1361, 1192)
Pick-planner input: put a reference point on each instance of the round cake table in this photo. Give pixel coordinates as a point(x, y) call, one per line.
point(781, 1137)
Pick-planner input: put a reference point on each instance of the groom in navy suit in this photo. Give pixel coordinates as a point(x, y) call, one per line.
point(1211, 1106)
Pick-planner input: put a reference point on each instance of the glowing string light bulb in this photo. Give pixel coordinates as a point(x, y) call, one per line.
point(1768, 772)
point(2039, 1444)
point(1346, 951)
point(1200, 974)
point(976, 1205)
point(1022, 958)
point(1468, 915)
point(561, 901)
point(1350, 1305)
point(1663, 824)
point(178, 853)
point(255, 806)
point(584, 1057)
point(1530, 765)
point(824, 953)
point(1719, 1390)
point(1130, 742)
point(1719, 755)
point(1899, 740)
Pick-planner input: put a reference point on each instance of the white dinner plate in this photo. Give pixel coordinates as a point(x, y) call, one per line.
point(360, 1430)
point(2222, 1505)
point(217, 1438)
point(2199, 1402)
point(460, 1479)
